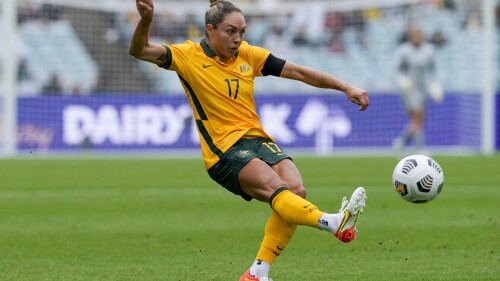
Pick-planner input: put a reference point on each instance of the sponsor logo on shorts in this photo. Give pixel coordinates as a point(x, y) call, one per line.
point(244, 153)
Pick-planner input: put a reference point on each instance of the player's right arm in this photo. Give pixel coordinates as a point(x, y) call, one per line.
point(140, 47)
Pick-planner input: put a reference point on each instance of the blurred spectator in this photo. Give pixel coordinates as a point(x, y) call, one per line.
point(193, 27)
point(497, 14)
point(334, 22)
point(334, 25)
point(257, 27)
point(112, 34)
point(168, 27)
point(355, 20)
point(28, 11)
point(274, 38)
point(53, 87)
point(308, 25)
point(25, 12)
point(300, 37)
point(77, 90)
point(449, 5)
point(438, 39)
point(405, 36)
point(373, 14)
point(51, 12)
point(446, 4)
point(337, 23)
point(471, 14)
point(23, 73)
point(337, 45)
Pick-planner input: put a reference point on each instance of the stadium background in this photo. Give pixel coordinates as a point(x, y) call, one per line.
point(69, 85)
point(70, 94)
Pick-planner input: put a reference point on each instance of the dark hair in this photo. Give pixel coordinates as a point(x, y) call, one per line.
point(218, 10)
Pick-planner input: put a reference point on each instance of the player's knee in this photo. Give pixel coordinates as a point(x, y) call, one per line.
point(298, 188)
point(276, 184)
point(301, 192)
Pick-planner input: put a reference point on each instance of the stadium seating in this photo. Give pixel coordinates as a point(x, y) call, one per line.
point(459, 60)
point(56, 51)
point(61, 48)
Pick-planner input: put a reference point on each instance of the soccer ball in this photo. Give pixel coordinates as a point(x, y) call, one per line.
point(418, 178)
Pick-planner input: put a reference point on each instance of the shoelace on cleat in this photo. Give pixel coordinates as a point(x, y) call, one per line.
point(343, 205)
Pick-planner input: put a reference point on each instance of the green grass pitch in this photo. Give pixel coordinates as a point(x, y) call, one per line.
point(164, 219)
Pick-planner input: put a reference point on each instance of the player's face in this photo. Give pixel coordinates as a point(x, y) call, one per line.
point(416, 37)
point(227, 38)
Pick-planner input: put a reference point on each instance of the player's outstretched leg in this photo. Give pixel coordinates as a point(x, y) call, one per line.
point(296, 210)
point(351, 211)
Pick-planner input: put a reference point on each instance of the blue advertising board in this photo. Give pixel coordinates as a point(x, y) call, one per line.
point(316, 122)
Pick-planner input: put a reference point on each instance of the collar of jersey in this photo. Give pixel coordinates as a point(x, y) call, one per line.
point(209, 51)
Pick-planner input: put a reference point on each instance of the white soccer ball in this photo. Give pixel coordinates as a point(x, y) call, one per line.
point(418, 178)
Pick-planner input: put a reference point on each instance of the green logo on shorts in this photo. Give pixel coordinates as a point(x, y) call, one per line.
point(244, 153)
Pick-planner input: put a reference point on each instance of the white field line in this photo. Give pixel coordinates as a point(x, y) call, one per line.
point(167, 191)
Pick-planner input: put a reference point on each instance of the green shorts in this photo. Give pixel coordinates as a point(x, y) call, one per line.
point(226, 171)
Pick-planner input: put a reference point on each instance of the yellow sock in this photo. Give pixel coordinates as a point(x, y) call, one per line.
point(295, 209)
point(276, 235)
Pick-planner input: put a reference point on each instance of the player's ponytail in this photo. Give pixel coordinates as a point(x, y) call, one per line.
point(214, 2)
point(218, 11)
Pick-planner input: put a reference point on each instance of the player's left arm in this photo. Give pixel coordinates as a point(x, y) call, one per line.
point(322, 79)
point(435, 89)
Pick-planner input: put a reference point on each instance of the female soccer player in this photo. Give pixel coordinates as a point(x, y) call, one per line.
point(416, 77)
point(218, 77)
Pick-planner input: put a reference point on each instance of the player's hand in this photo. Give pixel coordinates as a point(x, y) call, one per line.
point(146, 9)
point(436, 92)
point(358, 96)
point(404, 83)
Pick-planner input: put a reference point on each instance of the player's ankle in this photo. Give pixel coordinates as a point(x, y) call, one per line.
point(330, 222)
point(260, 268)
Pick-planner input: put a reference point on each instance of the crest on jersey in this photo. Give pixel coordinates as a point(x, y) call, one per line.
point(244, 68)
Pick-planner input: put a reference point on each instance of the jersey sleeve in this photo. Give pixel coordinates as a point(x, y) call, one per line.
point(259, 57)
point(168, 60)
point(273, 66)
point(177, 55)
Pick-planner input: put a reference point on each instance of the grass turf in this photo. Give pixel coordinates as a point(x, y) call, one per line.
point(164, 219)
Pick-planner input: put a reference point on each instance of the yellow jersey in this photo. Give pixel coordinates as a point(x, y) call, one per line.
point(221, 95)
